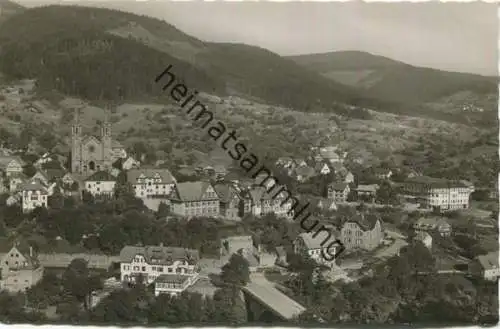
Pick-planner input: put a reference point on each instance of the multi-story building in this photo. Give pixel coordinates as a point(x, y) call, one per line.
point(195, 199)
point(11, 165)
point(338, 192)
point(262, 202)
point(150, 182)
point(437, 193)
point(315, 246)
point(101, 184)
point(362, 231)
point(90, 154)
point(172, 269)
point(433, 224)
point(16, 180)
point(486, 266)
point(34, 195)
point(19, 266)
point(231, 202)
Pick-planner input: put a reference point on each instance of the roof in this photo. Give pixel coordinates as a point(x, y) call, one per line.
point(339, 186)
point(437, 221)
point(315, 242)
point(172, 278)
point(33, 186)
point(162, 255)
point(101, 176)
point(226, 192)
point(488, 261)
point(435, 182)
point(365, 221)
point(305, 171)
point(166, 176)
point(52, 174)
point(193, 191)
point(368, 188)
point(22, 246)
point(116, 144)
point(5, 160)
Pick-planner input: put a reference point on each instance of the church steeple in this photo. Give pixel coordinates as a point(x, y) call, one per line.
point(106, 126)
point(76, 130)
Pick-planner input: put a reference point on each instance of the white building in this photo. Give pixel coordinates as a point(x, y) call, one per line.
point(34, 195)
point(425, 238)
point(172, 269)
point(316, 246)
point(101, 183)
point(150, 182)
point(10, 165)
point(487, 266)
point(130, 163)
point(439, 193)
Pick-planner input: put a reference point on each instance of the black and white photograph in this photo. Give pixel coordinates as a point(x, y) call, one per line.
point(215, 164)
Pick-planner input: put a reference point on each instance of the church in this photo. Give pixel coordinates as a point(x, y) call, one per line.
point(89, 153)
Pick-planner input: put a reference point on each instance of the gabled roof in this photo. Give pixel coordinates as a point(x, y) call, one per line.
point(159, 254)
point(192, 191)
point(22, 246)
point(315, 242)
point(53, 174)
point(305, 171)
point(172, 278)
point(5, 160)
point(165, 175)
point(33, 186)
point(488, 261)
point(101, 176)
point(339, 186)
point(226, 192)
point(437, 221)
point(435, 182)
point(365, 221)
point(116, 144)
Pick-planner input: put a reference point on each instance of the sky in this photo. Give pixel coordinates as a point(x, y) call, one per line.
point(460, 37)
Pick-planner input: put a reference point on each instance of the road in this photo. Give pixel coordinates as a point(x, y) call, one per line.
point(393, 249)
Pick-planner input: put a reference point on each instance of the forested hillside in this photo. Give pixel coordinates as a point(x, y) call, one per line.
point(99, 53)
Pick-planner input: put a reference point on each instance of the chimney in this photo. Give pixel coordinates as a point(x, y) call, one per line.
point(31, 251)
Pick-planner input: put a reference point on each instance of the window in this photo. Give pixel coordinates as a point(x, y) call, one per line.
point(144, 268)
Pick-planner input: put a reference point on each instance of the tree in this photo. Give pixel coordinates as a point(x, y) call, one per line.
point(236, 272)
point(229, 307)
point(386, 194)
point(78, 282)
point(29, 170)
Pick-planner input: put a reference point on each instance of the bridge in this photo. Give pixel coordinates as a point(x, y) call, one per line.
point(267, 304)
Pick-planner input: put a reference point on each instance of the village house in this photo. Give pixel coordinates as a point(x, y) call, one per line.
point(304, 173)
point(15, 181)
point(195, 199)
point(338, 192)
point(262, 203)
point(425, 238)
point(220, 171)
point(383, 173)
point(437, 193)
point(151, 182)
point(101, 184)
point(486, 266)
point(34, 195)
point(10, 165)
point(367, 191)
point(171, 269)
point(433, 224)
point(322, 168)
point(244, 246)
point(130, 163)
point(286, 162)
point(308, 244)
point(19, 266)
point(363, 231)
point(231, 202)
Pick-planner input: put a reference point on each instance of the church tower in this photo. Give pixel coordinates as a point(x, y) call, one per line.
point(107, 150)
point(76, 141)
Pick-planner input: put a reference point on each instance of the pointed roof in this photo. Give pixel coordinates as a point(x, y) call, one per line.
point(101, 176)
point(192, 191)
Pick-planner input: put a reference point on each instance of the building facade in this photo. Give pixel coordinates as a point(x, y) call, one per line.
point(362, 232)
point(310, 245)
point(90, 154)
point(172, 269)
point(19, 267)
point(441, 194)
point(34, 195)
point(149, 182)
point(338, 192)
point(10, 165)
point(101, 184)
point(195, 199)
